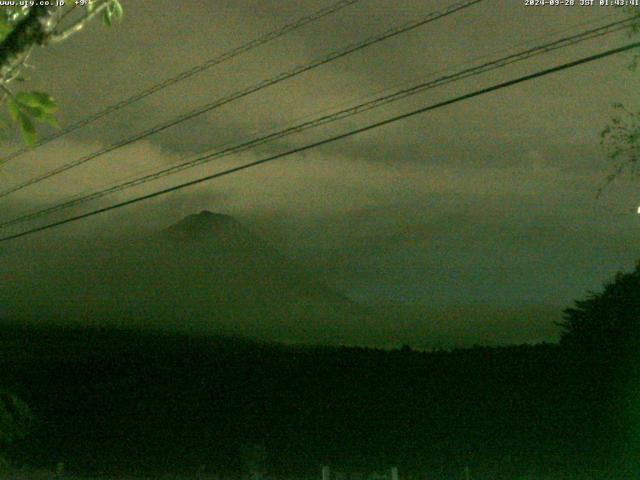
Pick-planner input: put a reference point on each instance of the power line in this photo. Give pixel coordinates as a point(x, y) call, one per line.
point(212, 62)
point(350, 133)
point(247, 91)
point(339, 115)
point(372, 94)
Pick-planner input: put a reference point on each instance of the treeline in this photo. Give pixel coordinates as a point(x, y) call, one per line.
point(127, 402)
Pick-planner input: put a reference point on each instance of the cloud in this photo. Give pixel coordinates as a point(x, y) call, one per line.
point(491, 198)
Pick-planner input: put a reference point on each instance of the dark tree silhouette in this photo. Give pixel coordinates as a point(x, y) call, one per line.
point(607, 322)
point(603, 334)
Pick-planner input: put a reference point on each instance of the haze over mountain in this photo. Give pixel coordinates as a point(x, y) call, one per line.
point(208, 273)
point(488, 201)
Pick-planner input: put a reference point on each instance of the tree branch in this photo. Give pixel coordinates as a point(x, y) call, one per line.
point(31, 30)
point(79, 24)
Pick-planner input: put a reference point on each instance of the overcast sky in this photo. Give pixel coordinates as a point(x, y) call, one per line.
point(486, 202)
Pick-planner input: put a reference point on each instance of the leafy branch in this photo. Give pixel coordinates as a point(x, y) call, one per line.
point(621, 142)
point(621, 137)
point(25, 107)
point(24, 27)
point(109, 10)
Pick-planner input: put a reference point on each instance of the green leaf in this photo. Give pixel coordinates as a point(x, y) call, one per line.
point(40, 115)
point(51, 120)
point(27, 129)
point(13, 108)
point(106, 17)
point(4, 127)
point(118, 11)
point(5, 27)
point(35, 112)
point(114, 11)
point(40, 100)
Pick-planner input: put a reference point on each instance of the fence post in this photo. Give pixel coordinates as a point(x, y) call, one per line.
point(394, 473)
point(326, 472)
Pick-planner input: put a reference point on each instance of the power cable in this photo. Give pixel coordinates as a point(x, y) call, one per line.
point(345, 113)
point(350, 133)
point(243, 93)
point(184, 75)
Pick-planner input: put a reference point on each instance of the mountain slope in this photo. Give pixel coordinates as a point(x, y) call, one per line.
point(206, 273)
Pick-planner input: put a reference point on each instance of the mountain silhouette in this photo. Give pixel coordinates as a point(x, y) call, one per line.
point(207, 273)
point(222, 229)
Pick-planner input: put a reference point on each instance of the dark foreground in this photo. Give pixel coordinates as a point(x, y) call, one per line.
point(125, 404)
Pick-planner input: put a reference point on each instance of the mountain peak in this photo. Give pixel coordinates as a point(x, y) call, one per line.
point(222, 229)
point(201, 223)
point(208, 217)
point(208, 214)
